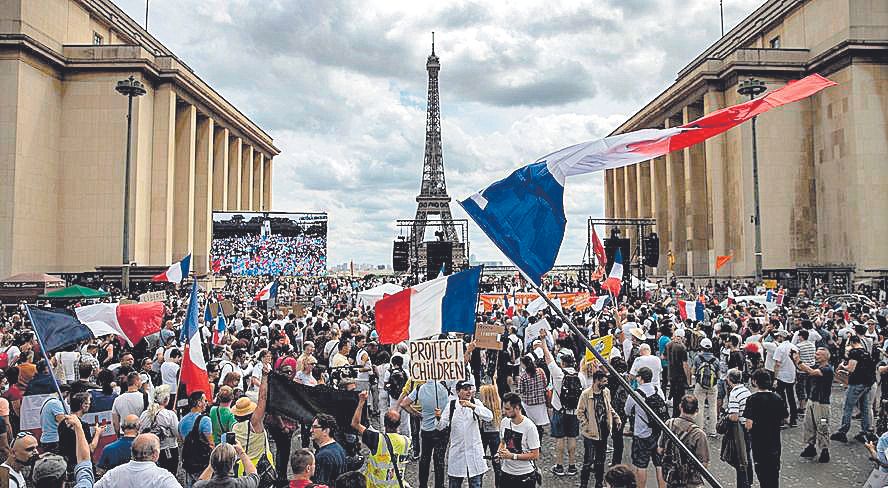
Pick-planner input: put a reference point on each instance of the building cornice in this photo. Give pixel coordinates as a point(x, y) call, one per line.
point(156, 69)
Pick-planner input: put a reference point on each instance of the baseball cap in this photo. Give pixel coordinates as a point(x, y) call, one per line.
point(462, 384)
point(50, 467)
point(706, 343)
point(679, 333)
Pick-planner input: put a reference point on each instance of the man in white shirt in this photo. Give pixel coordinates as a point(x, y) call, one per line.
point(565, 425)
point(133, 402)
point(22, 453)
point(169, 374)
point(785, 372)
point(466, 455)
point(519, 445)
point(142, 471)
point(646, 360)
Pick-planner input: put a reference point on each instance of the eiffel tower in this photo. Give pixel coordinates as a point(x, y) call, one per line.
point(433, 199)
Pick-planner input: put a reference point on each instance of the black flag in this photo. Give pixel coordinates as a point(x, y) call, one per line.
point(302, 403)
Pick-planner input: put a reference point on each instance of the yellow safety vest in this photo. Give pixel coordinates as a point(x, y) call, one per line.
point(379, 470)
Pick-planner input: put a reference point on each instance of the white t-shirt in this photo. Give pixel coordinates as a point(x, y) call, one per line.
point(649, 361)
point(130, 403)
point(169, 374)
point(363, 361)
point(69, 363)
point(770, 347)
point(518, 438)
point(256, 372)
point(13, 354)
point(787, 370)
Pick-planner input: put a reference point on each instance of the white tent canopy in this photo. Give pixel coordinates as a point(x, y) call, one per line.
point(375, 294)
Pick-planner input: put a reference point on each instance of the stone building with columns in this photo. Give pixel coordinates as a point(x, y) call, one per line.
point(63, 144)
point(823, 162)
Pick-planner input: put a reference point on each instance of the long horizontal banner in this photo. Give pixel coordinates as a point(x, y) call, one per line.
point(578, 300)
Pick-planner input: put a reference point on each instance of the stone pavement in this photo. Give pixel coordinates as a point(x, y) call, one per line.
point(849, 466)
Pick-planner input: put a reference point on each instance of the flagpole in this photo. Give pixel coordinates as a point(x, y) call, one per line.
point(622, 381)
point(46, 356)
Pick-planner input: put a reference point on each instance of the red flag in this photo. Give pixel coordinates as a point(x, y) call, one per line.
point(721, 261)
point(598, 249)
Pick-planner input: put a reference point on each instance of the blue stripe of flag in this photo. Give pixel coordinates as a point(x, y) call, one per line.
point(460, 299)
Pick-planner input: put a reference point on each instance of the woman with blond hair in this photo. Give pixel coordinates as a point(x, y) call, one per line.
point(163, 422)
point(587, 369)
point(490, 436)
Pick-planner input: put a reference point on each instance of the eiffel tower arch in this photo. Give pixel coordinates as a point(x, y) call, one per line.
point(433, 202)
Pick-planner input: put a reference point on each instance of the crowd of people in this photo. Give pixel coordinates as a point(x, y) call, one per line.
point(270, 255)
point(743, 376)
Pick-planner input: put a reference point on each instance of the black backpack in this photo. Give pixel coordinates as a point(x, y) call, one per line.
point(658, 405)
point(195, 449)
point(571, 388)
point(677, 466)
point(397, 380)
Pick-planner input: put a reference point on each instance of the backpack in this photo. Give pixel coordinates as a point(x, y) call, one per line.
point(395, 384)
point(677, 466)
point(571, 388)
point(4, 358)
point(195, 449)
point(658, 405)
point(706, 373)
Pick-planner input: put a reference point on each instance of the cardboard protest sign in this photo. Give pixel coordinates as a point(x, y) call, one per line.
point(441, 360)
point(532, 332)
point(603, 345)
point(153, 296)
point(488, 336)
point(227, 308)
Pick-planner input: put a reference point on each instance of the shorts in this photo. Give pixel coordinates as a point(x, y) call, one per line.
point(564, 425)
point(643, 450)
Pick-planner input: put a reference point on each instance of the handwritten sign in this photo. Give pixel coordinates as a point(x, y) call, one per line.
point(153, 296)
point(603, 345)
point(489, 336)
point(441, 360)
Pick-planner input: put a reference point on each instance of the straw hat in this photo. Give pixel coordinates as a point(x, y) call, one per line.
point(244, 406)
point(637, 333)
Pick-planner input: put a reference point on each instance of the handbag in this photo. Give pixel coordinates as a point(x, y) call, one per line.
point(723, 425)
point(264, 467)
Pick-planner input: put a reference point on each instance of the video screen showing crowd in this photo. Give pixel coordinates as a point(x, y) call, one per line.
point(269, 244)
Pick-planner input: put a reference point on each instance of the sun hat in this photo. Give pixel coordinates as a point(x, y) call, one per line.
point(243, 406)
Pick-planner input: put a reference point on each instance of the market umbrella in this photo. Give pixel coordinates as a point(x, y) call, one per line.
point(76, 291)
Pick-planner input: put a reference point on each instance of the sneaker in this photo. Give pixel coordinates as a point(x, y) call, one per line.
point(558, 470)
point(572, 470)
point(809, 452)
point(839, 436)
point(861, 437)
point(824, 456)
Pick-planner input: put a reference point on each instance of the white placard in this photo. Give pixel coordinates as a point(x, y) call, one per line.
point(442, 360)
point(153, 296)
point(532, 332)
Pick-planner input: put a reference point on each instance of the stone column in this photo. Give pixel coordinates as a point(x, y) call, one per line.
point(162, 175)
point(183, 199)
point(203, 194)
point(643, 189)
point(220, 168)
point(675, 184)
point(246, 178)
point(266, 185)
point(257, 181)
point(715, 185)
point(234, 173)
point(660, 210)
point(696, 201)
point(630, 194)
point(609, 193)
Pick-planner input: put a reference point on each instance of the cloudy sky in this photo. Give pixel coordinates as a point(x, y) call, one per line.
point(341, 87)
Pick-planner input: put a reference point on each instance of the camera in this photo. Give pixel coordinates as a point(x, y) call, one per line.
point(229, 438)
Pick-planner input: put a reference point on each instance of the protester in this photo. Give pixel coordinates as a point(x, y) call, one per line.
point(764, 413)
point(596, 415)
point(816, 419)
point(386, 451)
point(861, 372)
point(519, 447)
point(163, 423)
point(705, 374)
point(738, 393)
point(197, 430)
point(51, 414)
point(119, 451)
point(329, 456)
point(463, 417)
point(679, 370)
point(220, 472)
point(22, 453)
point(677, 469)
point(142, 471)
point(645, 432)
point(430, 395)
point(302, 463)
point(620, 476)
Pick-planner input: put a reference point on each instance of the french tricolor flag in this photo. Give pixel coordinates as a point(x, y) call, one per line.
point(268, 291)
point(132, 321)
point(691, 310)
point(194, 367)
point(219, 330)
point(614, 281)
point(176, 272)
point(445, 304)
point(508, 307)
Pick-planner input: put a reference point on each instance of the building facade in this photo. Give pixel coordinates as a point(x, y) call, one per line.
point(63, 144)
point(822, 161)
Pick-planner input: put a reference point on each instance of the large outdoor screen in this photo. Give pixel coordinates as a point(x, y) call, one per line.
point(269, 243)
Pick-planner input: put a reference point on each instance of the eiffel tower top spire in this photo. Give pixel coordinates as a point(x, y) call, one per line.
point(433, 183)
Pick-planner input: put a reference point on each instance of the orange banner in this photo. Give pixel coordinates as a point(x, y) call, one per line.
point(721, 261)
point(568, 300)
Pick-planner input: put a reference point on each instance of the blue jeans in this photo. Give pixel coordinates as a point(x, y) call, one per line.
point(857, 395)
point(474, 481)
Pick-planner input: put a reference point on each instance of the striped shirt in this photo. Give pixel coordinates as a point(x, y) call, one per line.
point(806, 352)
point(737, 400)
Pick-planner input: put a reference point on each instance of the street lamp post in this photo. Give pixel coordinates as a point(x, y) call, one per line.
point(129, 88)
point(753, 87)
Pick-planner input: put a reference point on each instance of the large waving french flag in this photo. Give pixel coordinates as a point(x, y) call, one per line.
point(691, 310)
point(523, 214)
point(194, 367)
point(176, 272)
point(445, 304)
point(132, 321)
point(614, 281)
point(267, 291)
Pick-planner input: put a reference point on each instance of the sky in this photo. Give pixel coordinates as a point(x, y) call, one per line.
point(341, 87)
